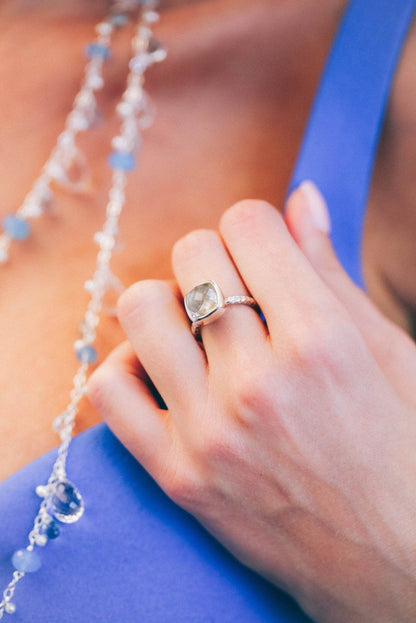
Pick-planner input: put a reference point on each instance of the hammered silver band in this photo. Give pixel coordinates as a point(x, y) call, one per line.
point(205, 303)
point(231, 300)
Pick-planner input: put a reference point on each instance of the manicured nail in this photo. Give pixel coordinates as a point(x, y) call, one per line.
point(317, 206)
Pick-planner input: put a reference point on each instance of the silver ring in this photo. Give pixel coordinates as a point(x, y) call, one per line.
point(205, 303)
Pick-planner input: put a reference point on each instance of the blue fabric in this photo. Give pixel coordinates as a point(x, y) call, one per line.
point(341, 138)
point(135, 556)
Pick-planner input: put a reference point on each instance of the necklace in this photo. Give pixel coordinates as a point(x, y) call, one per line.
point(61, 500)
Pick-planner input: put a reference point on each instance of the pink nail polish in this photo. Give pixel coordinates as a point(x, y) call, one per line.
point(317, 206)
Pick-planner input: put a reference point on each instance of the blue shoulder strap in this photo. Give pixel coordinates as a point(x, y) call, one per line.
point(341, 138)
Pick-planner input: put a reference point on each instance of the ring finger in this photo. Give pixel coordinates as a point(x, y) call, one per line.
point(201, 256)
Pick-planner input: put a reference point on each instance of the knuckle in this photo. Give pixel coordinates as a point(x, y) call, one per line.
point(189, 246)
point(256, 395)
point(218, 447)
point(245, 213)
point(141, 298)
point(184, 487)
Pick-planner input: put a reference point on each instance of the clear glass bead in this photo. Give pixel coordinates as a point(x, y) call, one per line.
point(52, 168)
point(147, 114)
point(77, 122)
point(42, 491)
point(91, 318)
point(156, 50)
point(90, 285)
point(134, 95)
point(121, 143)
point(151, 17)
point(139, 63)
point(104, 240)
point(144, 33)
point(71, 171)
point(115, 207)
point(115, 289)
point(62, 419)
point(125, 109)
point(10, 608)
point(65, 139)
point(104, 28)
point(30, 209)
point(94, 81)
point(41, 540)
point(40, 197)
point(66, 503)
point(85, 99)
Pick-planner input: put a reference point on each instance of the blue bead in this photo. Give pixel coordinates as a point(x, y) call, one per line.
point(51, 530)
point(122, 160)
point(118, 19)
point(67, 503)
point(97, 49)
point(87, 354)
point(16, 227)
point(26, 561)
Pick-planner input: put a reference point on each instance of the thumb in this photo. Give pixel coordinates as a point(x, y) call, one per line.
point(308, 221)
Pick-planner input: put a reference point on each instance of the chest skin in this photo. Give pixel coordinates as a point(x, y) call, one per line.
point(232, 101)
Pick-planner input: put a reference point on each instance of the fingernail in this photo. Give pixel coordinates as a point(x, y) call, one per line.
point(316, 205)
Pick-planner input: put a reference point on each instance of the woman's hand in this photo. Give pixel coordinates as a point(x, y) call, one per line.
point(293, 445)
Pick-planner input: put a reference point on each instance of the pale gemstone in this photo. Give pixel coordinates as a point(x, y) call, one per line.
point(104, 28)
point(94, 81)
point(10, 608)
point(202, 300)
point(42, 491)
point(41, 540)
point(151, 17)
point(156, 50)
point(125, 109)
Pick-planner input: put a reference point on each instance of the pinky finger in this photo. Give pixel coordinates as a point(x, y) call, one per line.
point(119, 389)
point(308, 221)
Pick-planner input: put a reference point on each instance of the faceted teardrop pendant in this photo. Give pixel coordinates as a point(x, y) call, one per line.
point(113, 292)
point(156, 50)
point(66, 502)
point(72, 173)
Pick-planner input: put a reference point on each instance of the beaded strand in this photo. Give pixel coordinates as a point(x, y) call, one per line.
point(65, 154)
point(61, 500)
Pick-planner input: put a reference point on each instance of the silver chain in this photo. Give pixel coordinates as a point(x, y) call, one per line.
point(133, 109)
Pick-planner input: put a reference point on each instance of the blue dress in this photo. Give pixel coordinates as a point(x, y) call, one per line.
point(136, 557)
